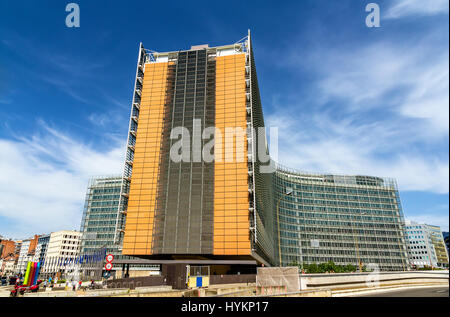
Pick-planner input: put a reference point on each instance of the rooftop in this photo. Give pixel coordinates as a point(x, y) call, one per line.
point(348, 180)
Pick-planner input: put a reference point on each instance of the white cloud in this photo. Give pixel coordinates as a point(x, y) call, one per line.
point(44, 178)
point(108, 119)
point(432, 219)
point(370, 76)
point(326, 144)
point(404, 8)
point(380, 109)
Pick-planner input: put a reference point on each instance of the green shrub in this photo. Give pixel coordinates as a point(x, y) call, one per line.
point(329, 267)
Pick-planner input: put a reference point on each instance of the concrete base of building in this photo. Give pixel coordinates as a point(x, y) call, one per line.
point(135, 273)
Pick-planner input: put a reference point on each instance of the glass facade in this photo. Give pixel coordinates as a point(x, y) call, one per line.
point(100, 214)
point(437, 239)
point(184, 209)
point(426, 246)
point(98, 226)
point(354, 220)
point(420, 248)
point(41, 248)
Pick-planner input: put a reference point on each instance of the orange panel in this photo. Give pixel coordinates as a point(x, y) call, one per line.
point(139, 223)
point(231, 184)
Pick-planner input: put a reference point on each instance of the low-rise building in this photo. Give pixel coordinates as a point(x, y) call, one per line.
point(24, 256)
point(41, 248)
point(437, 239)
point(63, 248)
point(421, 251)
point(7, 248)
point(7, 266)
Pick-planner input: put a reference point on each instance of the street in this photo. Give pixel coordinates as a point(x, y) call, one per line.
point(416, 292)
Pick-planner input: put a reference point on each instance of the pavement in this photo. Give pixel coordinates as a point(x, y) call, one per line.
point(5, 290)
point(441, 291)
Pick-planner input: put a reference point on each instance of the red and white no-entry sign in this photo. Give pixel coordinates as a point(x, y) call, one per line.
point(108, 266)
point(109, 258)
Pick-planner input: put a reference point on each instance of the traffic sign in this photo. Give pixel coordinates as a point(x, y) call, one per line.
point(109, 258)
point(108, 266)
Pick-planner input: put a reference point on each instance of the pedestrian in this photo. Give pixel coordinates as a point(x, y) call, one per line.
point(74, 285)
point(79, 284)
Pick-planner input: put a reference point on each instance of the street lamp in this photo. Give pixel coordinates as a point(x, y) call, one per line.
point(356, 244)
point(287, 193)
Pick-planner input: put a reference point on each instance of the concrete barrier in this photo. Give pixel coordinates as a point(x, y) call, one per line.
point(311, 293)
point(225, 290)
point(360, 280)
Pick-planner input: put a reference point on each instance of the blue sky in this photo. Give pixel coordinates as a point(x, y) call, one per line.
point(346, 98)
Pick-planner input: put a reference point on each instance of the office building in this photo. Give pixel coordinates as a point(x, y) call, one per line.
point(421, 250)
point(26, 253)
point(8, 256)
point(446, 240)
point(41, 248)
point(437, 239)
point(62, 250)
point(354, 220)
point(18, 247)
point(7, 248)
point(100, 214)
point(178, 205)
point(23, 257)
point(190, 207)
point(7, 266)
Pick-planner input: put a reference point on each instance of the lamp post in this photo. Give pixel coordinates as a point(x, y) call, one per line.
point(286, 193)
point(356, 244)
